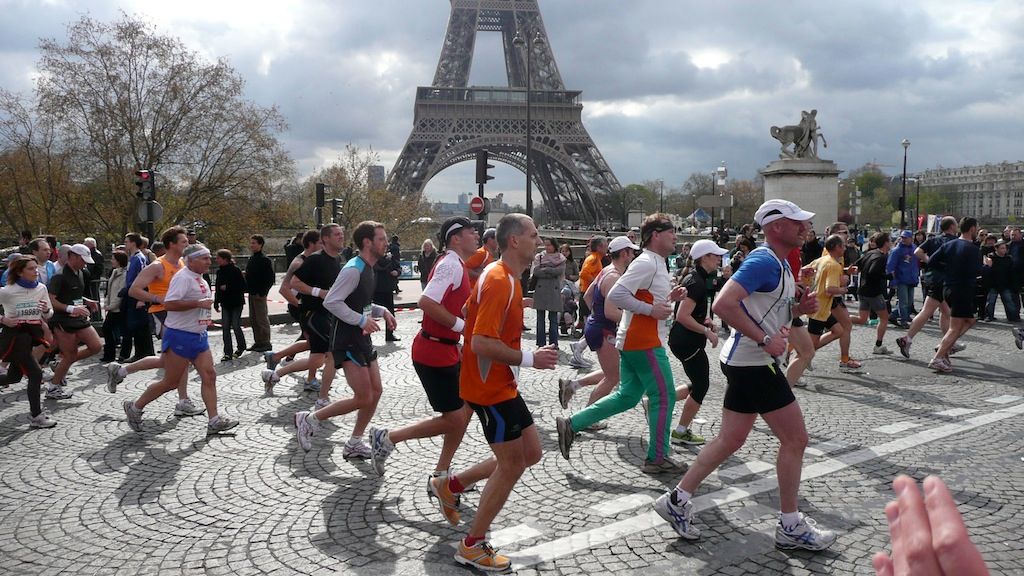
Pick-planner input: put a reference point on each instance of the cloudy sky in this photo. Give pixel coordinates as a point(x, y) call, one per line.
point(669, 87)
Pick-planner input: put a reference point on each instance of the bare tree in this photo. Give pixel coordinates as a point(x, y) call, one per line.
point(129, 98)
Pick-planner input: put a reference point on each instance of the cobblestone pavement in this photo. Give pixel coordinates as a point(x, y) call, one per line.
point(92, 497)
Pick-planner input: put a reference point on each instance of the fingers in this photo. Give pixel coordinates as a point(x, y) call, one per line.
point(882, 564)
point(956, 554)
point(915, 554)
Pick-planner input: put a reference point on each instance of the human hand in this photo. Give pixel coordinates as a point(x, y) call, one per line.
point(390, 320)
point(713, 338)
point(928, 534)
point(777, 346)
point(371, 326)
point(677, 294)
point(9, 322)
point(661, 310)
point(91, 305)
point(205, 303)
point(808, 303)
point(44, 306)
point(545, 357)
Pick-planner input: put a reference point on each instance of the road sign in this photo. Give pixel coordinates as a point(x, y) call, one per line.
point(478, 206)
point(150, 211)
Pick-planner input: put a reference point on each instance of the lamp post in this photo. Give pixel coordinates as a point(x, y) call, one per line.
point(721, 173)
point(903, 196)
point(661, 204)
point(520, 43)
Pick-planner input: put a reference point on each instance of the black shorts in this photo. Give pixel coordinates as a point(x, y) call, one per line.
point(505, 421)
point(318, 331)
point(837, 301)
point(294, 312)
point(160, 318)
point(798, 322)
point(441, 385)
point(960, 301)
point(756, 389)
point(936, 290)
point(359, 351)
point(819, 327)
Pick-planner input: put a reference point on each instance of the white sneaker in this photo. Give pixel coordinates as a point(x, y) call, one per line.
point(577, 348)
point(185, 407)
point(940, 365)
point(304, 429)
point(43, 420)
point(54, 392)
point(581, 363)
point(805, 534)
point(321, 403)
point(269, 379)
point(957, 347)
point(357, 449)
point(679, 516)
point(881, 350)
point(114, 377)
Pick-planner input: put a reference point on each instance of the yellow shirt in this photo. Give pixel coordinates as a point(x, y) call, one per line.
point(828, 273)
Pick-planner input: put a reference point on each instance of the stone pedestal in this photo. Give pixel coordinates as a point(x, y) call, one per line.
point(811, 184)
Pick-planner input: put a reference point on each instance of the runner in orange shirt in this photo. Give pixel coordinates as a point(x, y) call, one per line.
point(483, 256)
point(489, 381)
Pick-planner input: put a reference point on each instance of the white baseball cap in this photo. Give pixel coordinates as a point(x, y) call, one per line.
point(83, 251)
point(777, 208)
point(620, 242)
point(705, 247)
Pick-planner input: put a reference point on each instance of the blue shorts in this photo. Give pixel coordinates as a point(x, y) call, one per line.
point(188, 345)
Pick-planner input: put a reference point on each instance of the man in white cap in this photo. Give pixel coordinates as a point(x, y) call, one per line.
point(71, 311)
point(758, 303)
point(645, 295)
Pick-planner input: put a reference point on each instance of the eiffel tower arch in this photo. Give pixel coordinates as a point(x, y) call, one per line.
point(453, 120)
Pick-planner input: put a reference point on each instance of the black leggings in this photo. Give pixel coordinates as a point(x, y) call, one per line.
point(23, 363)
point(695, 364)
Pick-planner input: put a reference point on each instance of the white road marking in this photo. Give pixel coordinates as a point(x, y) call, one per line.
point(510, 535)
point(1005, 399)
point(580, 541)
point(745, 469)
point(956, 412)
point(897, 427)
point(628, 502)
point(826, 447)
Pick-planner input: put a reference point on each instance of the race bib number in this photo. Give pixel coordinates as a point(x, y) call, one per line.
point(205, 317)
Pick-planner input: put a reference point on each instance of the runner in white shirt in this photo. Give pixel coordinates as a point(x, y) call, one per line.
point(188, 303)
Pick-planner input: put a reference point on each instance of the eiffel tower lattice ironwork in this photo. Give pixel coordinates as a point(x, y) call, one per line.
point(453, 120)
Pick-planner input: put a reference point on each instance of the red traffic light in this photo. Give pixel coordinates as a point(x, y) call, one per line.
point(143, 174)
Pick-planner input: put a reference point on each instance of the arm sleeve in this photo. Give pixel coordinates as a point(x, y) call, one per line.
point(636, 277)
point(890, 262)
point(347, 281)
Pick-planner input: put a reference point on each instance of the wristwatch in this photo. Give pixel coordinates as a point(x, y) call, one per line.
point(765, 341)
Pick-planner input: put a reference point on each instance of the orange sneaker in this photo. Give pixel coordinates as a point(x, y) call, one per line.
point(448, 501)
point(482, 556)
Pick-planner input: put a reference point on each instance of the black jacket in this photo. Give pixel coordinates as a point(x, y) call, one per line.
point(385, 281)
point(259, 274)
point(1001, 275)
point(230, 288)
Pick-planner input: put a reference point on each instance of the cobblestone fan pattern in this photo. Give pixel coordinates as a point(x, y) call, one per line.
point(92, 497)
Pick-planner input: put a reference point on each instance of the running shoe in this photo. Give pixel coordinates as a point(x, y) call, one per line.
point(481, 555)
point(185, 407)
point(446, 499)
point(220, 424)
point(565, 392)
point(566, 435)
point(1018, 338)
point(304, 429)
point(54, 392)
point(380, 448)
point(597, 426)
point(269, 379)
point(881, 350)
point(311, 385)
point(225, 358)
point(688, 438)
point(114, 377)
point(357, 449)
point(134, 415)
point(679, 516)
point(578, 347)
point(957, 347)
point(851, 366)
point(940, 365)
point(42, 420)
point(664, 466)
point(581, 363)
point(268, 357)
point(321, 403)
point(805, 535)
point(904, 343)
point(800, 383)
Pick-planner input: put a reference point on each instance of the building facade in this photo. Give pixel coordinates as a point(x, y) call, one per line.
point(989, 192)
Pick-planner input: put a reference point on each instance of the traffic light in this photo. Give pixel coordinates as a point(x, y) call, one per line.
point(482, 167)
point(320, 195)
point(145, 180)
point(335, 210)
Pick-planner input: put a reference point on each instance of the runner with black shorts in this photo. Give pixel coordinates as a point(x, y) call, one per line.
point(70, 320)
point(435, 351)
point(312, 280)
point(310, 244)
point(352, 320)
point(758, 304)
point(960, 261)
point(934, 296)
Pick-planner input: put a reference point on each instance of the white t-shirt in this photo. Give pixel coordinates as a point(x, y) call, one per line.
point(187, 285)
point(22, 304)
point(447, 274)
point(646, 276)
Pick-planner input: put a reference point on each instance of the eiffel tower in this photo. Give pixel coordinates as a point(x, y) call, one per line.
point(453, 120)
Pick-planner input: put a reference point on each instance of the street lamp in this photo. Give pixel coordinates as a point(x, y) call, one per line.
point(662, 203)
point(903, 196)
point(518, 42)
point(721, 173)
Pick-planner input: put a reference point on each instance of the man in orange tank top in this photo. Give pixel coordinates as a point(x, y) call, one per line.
point(150, 287)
